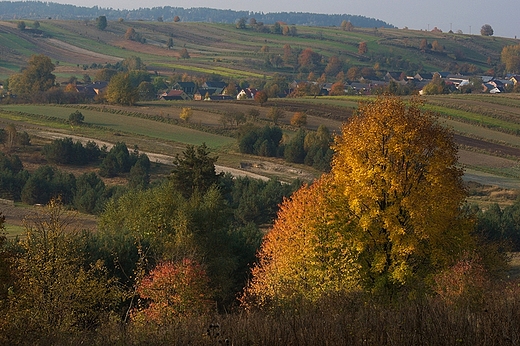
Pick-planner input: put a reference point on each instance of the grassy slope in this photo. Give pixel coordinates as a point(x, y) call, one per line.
point(232, 53)
point(222, 49)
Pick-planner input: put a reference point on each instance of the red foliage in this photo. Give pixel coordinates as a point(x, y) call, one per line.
point(172, 289)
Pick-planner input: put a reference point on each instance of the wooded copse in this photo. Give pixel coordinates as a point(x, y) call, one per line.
point(385, 232)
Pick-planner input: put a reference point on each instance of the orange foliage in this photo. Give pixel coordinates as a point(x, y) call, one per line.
point(172, 289)
point(387, 216)
point(305, 254)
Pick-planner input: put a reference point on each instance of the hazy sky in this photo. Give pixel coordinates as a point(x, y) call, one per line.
point(465, 15)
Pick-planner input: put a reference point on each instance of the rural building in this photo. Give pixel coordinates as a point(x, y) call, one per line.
point(175, 95)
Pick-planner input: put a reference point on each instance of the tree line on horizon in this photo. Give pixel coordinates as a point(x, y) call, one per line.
point(38, 10)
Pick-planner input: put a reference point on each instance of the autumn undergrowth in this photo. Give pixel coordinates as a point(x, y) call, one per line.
point(351, 319)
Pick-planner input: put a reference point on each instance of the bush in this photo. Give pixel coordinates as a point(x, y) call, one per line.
point(76, 118)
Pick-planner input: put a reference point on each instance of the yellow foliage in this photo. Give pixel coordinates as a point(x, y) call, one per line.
point(396, 167)
point(387, 216)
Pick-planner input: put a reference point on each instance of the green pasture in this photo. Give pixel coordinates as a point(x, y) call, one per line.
point(209, 69)
point(13, 231)
point(14, 42)
point(480, 100)
point(491, 178)
point(128, 124)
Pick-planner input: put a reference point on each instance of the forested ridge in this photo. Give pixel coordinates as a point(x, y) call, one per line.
point(40, 10)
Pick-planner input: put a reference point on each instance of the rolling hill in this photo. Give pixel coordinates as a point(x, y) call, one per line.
point(224, 50)
point(487, 126)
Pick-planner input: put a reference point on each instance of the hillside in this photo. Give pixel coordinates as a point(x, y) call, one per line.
point(486, 125)
point(224, 50)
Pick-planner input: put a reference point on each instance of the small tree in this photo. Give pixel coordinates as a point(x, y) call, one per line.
point(261, 97)
point(11, 133)
point(275, 114)
point(486, 30)
point(254, 114)
point(241, 23)
point(130, 34)
point(170, 43)
point(299, 119)
point(194, 171)
point(337, 89)
point(184, 54)
point(510, 57)
point(176, 19)
point(186, 114)
point(21, 25)
point(101, 22)
point(362, 48)
point(76, 118)
point(436, 46)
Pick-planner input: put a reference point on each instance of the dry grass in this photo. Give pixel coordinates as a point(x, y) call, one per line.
point(341, 320)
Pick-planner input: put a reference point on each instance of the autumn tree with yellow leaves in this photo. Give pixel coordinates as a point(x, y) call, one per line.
point(385, 219)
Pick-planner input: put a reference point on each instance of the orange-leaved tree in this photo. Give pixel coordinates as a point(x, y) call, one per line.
point(307, 253)
point(387, 217)
point(173, 289)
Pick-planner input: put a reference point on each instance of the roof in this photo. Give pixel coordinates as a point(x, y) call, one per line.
point(217, 85)
point(186, 84)
point(175, 95)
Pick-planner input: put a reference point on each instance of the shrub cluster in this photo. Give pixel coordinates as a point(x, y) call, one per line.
point(306, 147)
point(65, 151)
point(87, 193)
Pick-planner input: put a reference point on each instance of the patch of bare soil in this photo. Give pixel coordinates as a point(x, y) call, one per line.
point(473, 158)
point(493, 148)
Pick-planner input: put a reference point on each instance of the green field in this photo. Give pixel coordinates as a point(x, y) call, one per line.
point(126, 124)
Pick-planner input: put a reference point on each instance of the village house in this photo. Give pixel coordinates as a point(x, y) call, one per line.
point(247, 93)
point(188, 87)
point(218, 86)
point(175, 95)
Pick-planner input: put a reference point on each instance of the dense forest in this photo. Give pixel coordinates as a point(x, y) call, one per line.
point(40, 10)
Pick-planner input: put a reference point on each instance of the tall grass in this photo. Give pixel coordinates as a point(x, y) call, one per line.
point(346, 320)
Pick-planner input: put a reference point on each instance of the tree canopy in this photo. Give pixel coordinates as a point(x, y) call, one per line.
point(387, 217)
point(486, 30)
point(37, 77)
point(510, 56)
point(121, 91)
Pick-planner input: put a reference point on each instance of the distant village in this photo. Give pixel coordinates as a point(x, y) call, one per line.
point(452, 82)
point(218, 90)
